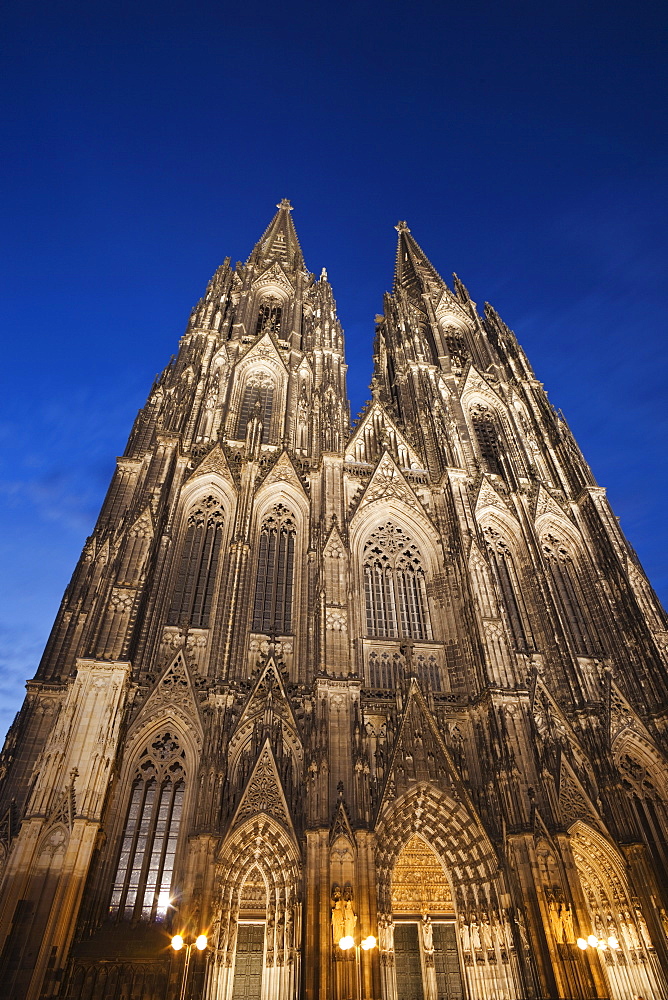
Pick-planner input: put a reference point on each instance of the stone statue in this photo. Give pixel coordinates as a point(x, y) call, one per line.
point(337, 916)
point(349, 915)
point(475, 933)
point(567, 923)
point(427, 934)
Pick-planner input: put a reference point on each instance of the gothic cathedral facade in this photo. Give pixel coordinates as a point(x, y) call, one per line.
point(380, 709)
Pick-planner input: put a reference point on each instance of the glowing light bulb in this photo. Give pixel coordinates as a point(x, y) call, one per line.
point(177, 942)
point(369, 943)
point(346, 943)
point(613, 943)
point(582, 944)
point(592, 940)
point(200, 943)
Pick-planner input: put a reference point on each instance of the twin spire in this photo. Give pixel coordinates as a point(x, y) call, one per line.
point(279, 241)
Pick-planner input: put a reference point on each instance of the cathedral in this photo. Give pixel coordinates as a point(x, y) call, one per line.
point(343, 711)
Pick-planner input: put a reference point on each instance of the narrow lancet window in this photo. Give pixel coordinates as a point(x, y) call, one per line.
point(569, 595)
point(269, 317)
point(272, 611)
point(145, 867)
point(394, 586)
point(198, 566)
point(510, 590)
point(258, 391)
point(487, 436)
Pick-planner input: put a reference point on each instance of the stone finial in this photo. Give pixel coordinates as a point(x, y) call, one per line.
point(402, 227)
point(285, 203)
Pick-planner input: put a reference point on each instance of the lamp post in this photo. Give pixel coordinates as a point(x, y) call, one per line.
point(178, 943)
point(348, 942)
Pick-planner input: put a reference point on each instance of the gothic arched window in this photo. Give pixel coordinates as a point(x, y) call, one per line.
point(269, 317)
point(508, 583)
point(145, 866)
point(487, 436)
point(259, 389)
point(272, 611)
point(198, 566)
point(569, 596)
point(456, 347)
point(394, 586)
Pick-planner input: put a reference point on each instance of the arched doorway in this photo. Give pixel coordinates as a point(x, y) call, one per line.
point(632, 969)
point(257, 926)
point(426, 954)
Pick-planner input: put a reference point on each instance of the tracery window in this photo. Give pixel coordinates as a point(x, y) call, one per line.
point(394, 586)
point(269, 317)
point(272, 611)
point(145, 866)
point(569, 596)
point(510, 588)
point(198, 566)
point(487, 436)
point(258, 391)
point(456, 347)
point(650, 808)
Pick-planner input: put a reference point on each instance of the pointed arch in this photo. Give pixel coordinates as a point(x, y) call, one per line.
point(454, 834)
point(463, 850)
point(259, 845)
point(631, 968)
point(419, 882)
point(570, 580)
point(644, 776)
point(510, 585)
point(273, 603)
point(487, 435)
point(395, 591)
point(260, 375)
point(144, 869)
point(394, 579)
point(198, 564)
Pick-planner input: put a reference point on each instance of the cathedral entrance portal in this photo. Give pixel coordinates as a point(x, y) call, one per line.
point(426, 954)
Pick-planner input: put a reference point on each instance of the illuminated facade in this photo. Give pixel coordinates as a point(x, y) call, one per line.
point(402, 681)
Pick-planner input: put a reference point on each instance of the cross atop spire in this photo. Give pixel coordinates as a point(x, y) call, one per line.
point(279, 240)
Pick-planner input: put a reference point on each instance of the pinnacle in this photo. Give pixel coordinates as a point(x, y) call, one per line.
point(413, 268)
point(279, 241)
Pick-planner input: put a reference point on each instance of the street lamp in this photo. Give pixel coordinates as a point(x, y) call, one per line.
point(602, 944)
point(348, 942)
point(178, 943)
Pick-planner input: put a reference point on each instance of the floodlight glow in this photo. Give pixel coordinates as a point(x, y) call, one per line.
point(164, 902)
point(613, 943)
point(369, 943)
point(346, 943)
point(592, 940)
point(177, 942)
point(582, 944)
point(200, 943)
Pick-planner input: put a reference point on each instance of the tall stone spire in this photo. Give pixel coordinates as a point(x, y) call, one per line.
point(414, 272)
point(279, 240)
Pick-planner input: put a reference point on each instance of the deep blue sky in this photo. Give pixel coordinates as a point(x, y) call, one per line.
point(524, 143)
